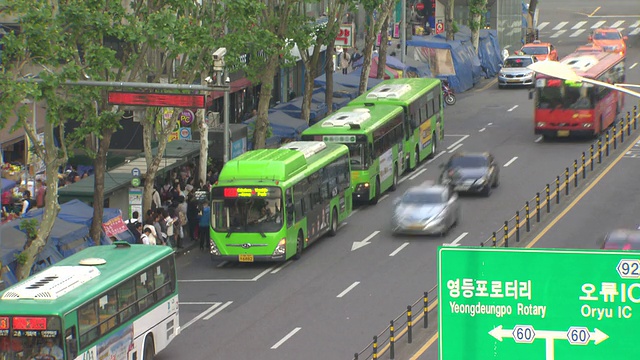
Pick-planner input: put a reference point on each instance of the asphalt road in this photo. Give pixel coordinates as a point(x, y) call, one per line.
point(330, 303)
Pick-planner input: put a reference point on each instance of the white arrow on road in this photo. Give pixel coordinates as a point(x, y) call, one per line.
point(358, 244)
point(597, 336)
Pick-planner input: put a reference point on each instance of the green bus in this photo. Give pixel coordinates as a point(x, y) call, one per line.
point(115, 301)
point(422, 101)
point(374, 134)
point(270, 204)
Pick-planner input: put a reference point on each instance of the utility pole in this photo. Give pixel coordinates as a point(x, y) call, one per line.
point(403, 30)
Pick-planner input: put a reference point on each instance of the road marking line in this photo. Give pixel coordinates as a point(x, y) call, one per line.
point(538, 139)
point(217, 310)
point(489, 124)
point(543, 25)
point(578, 32)
point(383, 197)
point(263, 273)
point(457, 142)
point(560, 25)
point(511, 161)
point(417, 174)
point(353, 212)
point(635, 31)
point(399, 249)
point(199, 316)
point(222, 264)
point(617, 24)
point(633, 65)
point(199, 303)
point(557, 34)
point(581, 195)
point(594, 11)
point(343, 293)
point(578, 25)
point(424, 347)
point(483, 129)
point(513, 108)
point(489, 84)
point(435, 157)
point(457, 240)
point(287, 263)
point(635, 24)
point(455, 148)
point(289, 335)
point(599, 23)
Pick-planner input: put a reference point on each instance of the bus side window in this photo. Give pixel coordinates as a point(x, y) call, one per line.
point(71, 342)
point(289, 207)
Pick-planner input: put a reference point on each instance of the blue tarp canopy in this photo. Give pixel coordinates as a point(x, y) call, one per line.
point(282, 124)
point(489, 51)
point(78, 212)
point(7, 184)
point(392, 62)
point(68, 238)
point(293, 108)
point(460, 66)
point(351, 80)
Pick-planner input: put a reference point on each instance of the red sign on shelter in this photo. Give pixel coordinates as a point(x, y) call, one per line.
point(152, 99)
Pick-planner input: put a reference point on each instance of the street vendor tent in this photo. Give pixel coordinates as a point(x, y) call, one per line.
point(7, 184)
point(351, 80)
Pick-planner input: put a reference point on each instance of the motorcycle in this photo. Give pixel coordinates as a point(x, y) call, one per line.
point(449, 96)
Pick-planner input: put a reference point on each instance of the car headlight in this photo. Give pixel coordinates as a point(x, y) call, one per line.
point(481, 181)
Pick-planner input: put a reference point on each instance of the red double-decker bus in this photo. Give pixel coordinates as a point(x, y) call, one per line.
point(568, 108)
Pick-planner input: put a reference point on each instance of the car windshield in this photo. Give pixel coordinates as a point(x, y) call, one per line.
point(609, 35)
point(422, 198)
point(518, 62)
point(468, 162)
point(535, 50)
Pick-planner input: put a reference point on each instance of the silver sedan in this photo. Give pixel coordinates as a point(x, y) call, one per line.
point(426, 210)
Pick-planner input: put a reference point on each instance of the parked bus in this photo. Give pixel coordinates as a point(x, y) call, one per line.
point(421, 99)
point(565, 108)
point(270, 204)
point(105, 302)
point(375, 136)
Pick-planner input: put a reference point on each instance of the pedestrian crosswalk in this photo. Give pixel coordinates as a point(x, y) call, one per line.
point(629, 27)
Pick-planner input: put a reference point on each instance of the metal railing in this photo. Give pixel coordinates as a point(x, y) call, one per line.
point(525, 218)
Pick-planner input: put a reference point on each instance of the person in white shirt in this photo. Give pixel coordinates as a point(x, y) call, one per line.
point(151, 236)
point(51, 349)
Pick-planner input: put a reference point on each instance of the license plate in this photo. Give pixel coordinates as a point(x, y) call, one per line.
point(461, 188)
point(513, 80)
point(415, 227)
point(563, 133)
point(245, 258)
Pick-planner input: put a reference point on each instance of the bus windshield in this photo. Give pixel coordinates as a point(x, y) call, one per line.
point(562, 95)
point(30, 337)
point(253, 214)
point(357, 156)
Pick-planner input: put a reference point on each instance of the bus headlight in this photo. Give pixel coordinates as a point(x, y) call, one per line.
point(213, 249)
point(281, 248)
point(541, 124)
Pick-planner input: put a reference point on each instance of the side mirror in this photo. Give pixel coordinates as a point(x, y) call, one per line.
point(625, 38)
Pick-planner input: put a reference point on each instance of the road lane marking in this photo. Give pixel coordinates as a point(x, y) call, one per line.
point(635, 31)
point(599, 23)
point(256, 278)
point(617, 24)
point(557, 34)
point(287, 263)
point(424, 347)
point(358, 244)
point(199, 316)
point(353, 212)
point(457, 240)
point(577, 33)
point(199, 302)
point(595, 11)
point(417, 174)
point(513, 108)
point(457, 142)
point(539, 139)
point(383, 197)
point(511, 161)
point(635, 24)
point(483, 129)
point(455, 148)
point(222, 264)
point(216, 311)
point(396, 251)
point(287, 337)
point(578, 25)
point(489, 84)
point(437, 156)
point(633, 65)
point(543, 25)
point(581, 195)
point(560, 25)
point(343, 293)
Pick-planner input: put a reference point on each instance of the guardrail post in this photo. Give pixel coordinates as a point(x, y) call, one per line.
point(537, 207)
point(628, 123)
point(547, 191)
point(355, 356)
point(557, 189)
point(425, 309)
point(527, 217)
point(575, 173)
point(621, 130)
point(493, 239)
point(591, 157)
point(375, 347)
point(600, 149)
point(566, 181)
point(584, 164)
point(506, 234)
point(635, 117)
point(409, 325)
point(606, 144)
point(517, 225)
point(615, 137)
point(392, 342)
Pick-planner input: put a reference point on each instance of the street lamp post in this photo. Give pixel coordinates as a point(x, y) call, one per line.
point(219, 68)
point(565, 72)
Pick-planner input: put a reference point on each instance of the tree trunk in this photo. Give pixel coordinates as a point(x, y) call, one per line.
point(369, 41)
point(262, 119)
point(382, 53)
point(52, 160)
point(448, 20)
point(309, 77)
point(204, 144)
point(477, 10)
point(100, 168)
point(328, 74)
point(475, 32)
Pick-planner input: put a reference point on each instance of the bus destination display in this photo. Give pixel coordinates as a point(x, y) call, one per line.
point(238, 192)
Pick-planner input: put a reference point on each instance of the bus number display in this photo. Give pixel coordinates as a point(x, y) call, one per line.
point(4, 322)
point(343, 139)
point(245, 192)
point(29, 323)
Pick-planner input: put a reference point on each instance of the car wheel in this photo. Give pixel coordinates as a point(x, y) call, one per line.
point(496, 181)
point(334, 223)
point(487, 191)
point(299, 246)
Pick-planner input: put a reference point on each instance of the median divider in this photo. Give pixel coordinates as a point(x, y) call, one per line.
point(385, 342)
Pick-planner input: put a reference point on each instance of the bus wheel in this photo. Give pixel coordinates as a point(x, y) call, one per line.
point(416, 156)
point(377, 193)
point(434, 145)
point(334, 223)
point(149, 348)
point(394, 186)
point(299, 246)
